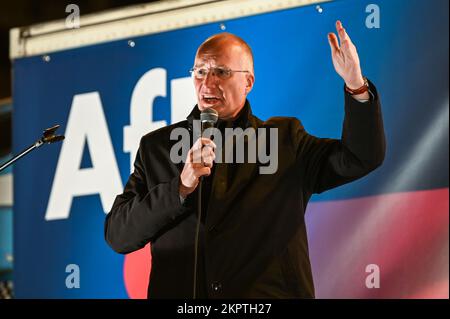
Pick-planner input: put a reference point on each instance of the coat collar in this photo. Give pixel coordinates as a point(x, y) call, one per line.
point(243, 120)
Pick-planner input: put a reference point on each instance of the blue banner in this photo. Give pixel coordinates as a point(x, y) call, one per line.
point(106, 96)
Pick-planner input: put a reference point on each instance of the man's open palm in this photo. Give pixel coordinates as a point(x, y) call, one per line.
point(345, 57)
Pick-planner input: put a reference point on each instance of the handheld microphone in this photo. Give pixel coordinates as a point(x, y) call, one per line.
point(208, 118)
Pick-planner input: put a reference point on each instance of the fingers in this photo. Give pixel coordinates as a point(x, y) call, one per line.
point(344, 39)
point(196, 171)
point(195, 153)
point(206, 156)
point(203, 141)
point(202, 152)
point(333, 41)
point(199, 162)
point(203, 171)
point(190, 177)
point(341, 31)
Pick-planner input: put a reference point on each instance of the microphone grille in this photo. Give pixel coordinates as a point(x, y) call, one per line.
point(209, 115)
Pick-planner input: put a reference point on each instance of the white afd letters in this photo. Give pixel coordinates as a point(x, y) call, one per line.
point(87, 124)
point(151, 85)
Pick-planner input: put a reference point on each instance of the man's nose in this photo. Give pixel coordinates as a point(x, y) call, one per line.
point(210, 78)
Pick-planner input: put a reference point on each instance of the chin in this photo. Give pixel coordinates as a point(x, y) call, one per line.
point(203, 107)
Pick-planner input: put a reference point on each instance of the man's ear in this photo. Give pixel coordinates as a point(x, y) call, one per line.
point(250, 81)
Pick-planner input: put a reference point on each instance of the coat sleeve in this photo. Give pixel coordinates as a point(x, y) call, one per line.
point(328, 163)
point(141, 211)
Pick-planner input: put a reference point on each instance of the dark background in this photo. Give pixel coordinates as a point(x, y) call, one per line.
point(19, 13)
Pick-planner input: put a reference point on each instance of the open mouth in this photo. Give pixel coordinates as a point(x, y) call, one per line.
point(210, 98)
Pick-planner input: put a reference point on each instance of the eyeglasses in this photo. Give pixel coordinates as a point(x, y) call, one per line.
point(220, 72)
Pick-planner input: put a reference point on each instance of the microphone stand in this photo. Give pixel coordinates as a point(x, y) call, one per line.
point(48, 137)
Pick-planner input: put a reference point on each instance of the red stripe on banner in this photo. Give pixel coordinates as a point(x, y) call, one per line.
point(403, 235)
point(136, 272)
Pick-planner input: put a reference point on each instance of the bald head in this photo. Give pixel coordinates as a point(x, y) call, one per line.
point(224, 92)
point(227, 41)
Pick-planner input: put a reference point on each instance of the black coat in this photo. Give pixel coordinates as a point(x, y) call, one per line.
point(253, 243)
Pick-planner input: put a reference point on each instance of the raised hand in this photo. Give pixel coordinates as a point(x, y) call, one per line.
point(345, 59)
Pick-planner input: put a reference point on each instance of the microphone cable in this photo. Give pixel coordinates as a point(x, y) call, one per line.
point(197, 233)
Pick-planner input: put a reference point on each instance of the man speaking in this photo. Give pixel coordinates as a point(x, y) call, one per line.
point(222, 228)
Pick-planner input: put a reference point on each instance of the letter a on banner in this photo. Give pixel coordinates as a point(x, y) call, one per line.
point(86, 124)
